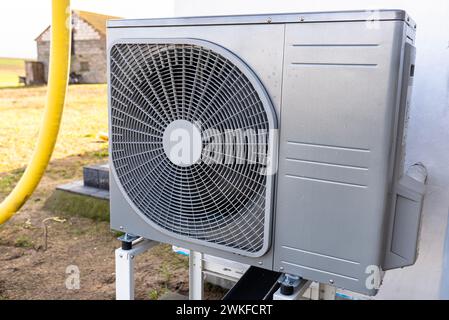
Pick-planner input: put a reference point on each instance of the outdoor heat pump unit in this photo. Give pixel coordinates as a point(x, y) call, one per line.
point(272, 140)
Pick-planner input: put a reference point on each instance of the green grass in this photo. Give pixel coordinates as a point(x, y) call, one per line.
point(23, 242)
point(11, 61)
point(8, 180)
point(70, 204)
point(156, 294)
point(10, 70)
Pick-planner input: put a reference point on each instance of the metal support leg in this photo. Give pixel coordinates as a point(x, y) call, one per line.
point(326, 292)
point(124, 268)
point(297, 293)
point(124, 275)
point(196, 288)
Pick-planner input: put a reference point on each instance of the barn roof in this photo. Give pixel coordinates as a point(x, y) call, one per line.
point(96, 20)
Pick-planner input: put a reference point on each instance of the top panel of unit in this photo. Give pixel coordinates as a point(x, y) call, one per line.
point(367, 15)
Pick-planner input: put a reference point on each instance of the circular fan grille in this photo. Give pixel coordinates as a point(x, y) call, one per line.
point(153, 85)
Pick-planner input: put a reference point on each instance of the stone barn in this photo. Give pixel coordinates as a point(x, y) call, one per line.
point(88, 64)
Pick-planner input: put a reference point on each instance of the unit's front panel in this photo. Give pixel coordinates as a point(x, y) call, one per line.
point(205, 80)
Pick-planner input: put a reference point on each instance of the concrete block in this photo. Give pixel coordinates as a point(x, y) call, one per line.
point(91, 177)
point(96, 176)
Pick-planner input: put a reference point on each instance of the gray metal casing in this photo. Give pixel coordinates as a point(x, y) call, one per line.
point(336, 83)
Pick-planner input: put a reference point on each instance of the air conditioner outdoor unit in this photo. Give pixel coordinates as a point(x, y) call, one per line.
point(273, 140)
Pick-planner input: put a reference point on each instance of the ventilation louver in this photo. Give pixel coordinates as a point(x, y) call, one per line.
point(223, 202)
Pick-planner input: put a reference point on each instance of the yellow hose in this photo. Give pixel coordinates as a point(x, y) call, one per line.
point(57, 87)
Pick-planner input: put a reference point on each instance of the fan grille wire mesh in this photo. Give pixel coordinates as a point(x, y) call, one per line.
point(151, 86)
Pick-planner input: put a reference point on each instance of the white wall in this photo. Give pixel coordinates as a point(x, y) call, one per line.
point(428, 138)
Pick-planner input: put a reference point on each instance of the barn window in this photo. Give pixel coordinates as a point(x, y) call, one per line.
point(84, 66)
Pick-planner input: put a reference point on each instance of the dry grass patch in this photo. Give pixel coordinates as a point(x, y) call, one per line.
point(21, 112)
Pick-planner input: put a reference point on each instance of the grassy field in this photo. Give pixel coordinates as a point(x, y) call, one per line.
point(21, 110)
point(10, 70)
point(21, 239)
point(33, 262)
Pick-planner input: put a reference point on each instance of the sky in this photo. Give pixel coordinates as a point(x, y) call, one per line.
point(21, 21)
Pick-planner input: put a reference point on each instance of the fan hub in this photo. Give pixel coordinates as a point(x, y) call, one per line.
point(182, 143)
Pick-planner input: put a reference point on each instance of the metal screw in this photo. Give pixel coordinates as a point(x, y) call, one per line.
point(331, 281)
point(301, 19)
point(269, 20)
point(132, 256)
point(281, 268)
point(121, 227)
point(260, 263)
point(120, 255)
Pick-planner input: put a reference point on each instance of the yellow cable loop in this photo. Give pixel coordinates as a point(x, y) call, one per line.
point(56, 91)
